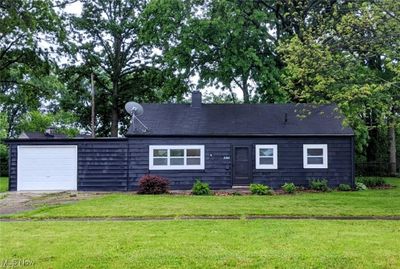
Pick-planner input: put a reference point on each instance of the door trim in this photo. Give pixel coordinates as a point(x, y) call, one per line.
point(250, 175)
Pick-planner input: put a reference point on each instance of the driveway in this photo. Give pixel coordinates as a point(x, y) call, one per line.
point(15, 202)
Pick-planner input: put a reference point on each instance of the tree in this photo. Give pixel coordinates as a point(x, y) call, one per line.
point(224, 42)
point(37, 121)
point(107, 37)
point(26, 76)
point(352, 63)
point(149, 85)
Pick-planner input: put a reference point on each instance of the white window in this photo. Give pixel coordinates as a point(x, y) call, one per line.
point(266, 157)
point(176, 157)
point(315, 156)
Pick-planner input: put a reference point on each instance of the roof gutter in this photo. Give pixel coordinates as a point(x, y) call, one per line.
point(235, 135)
point(17, 140)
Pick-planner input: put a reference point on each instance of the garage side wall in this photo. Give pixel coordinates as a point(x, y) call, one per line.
point(12, 170)
point(102, 163)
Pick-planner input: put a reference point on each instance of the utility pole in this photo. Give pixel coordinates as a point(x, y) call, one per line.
point(93, 108)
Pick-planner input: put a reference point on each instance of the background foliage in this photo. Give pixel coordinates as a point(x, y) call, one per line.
point(315, 51)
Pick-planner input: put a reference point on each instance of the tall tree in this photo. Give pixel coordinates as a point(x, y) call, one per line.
point(26, 76)
point(107, 38)
point(223, 42)
point(354, 63)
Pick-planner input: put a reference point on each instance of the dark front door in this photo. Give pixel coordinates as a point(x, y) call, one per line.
point(241, 166)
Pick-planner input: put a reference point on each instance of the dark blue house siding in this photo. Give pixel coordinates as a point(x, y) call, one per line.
point(218, 170)
point(102, 166)
point(117, 164)
point(12, 167)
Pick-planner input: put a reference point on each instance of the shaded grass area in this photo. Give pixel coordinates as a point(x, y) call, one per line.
point(3, 184)
point(204, 244)
point(362, 203)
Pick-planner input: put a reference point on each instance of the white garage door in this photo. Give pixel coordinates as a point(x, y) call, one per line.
point(47, 168)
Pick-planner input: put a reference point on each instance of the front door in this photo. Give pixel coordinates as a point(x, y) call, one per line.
point(241, 165)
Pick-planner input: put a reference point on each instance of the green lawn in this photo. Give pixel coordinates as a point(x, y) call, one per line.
point(204, 244)
point(3, 184)
point(211, 243)
point(362, 203)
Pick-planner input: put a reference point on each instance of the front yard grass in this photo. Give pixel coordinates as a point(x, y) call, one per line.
point(203, 244)
point(3, 184)
point(361, 203)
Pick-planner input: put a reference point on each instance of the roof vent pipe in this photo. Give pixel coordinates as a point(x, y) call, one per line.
point(50, 131)
point(286, 118)
point(196, 99)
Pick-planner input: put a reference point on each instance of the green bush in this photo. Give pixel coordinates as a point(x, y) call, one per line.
point(319, 185)
point(289, 187)
point(372, 182)
point(260, 189)
point(344, 187)
point(201, 188)
point(361, 186)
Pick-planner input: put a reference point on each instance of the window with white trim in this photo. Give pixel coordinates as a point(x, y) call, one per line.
point(176, 157)
point(266, 157)
point(315, 156)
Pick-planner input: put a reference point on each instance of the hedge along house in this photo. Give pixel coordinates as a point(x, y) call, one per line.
point(225, 145)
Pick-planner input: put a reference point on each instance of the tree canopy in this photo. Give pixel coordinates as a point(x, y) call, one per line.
point(315, 51)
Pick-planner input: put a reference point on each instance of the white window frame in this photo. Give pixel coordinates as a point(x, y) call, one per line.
point(152, 166)
point(324, 156)
point(274, 164)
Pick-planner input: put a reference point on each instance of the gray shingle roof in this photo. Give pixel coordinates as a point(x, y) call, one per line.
point(241, 119)
point(40, 135)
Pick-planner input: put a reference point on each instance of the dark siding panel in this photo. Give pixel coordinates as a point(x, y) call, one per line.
point(12, 163)
point(218, 169)
point(102, 166)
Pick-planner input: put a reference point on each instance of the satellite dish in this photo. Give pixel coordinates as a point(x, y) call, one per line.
point(134, 108)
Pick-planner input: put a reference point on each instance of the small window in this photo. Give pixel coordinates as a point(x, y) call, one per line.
point(315, 156)
point(266, 157)
point(176, 157)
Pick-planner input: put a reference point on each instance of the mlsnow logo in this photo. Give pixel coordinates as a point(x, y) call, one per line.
point(15, 263)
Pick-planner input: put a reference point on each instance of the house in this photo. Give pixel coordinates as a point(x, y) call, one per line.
point(226, 145)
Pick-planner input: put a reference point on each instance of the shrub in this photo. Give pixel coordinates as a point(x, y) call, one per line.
point(260, 189)
point(361, 186)
point(319, 185)
point(201, 188)
point(151, 184)
point(289, 187)
point(344, 187)
point(372, 182)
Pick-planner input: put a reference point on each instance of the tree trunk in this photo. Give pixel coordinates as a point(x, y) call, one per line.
point(392, 149)
point(114, 111)
point(245, 90)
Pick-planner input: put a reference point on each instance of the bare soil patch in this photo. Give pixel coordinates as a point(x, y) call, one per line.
point(15, 202)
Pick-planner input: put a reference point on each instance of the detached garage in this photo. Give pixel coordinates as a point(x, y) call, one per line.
point(47, 167)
